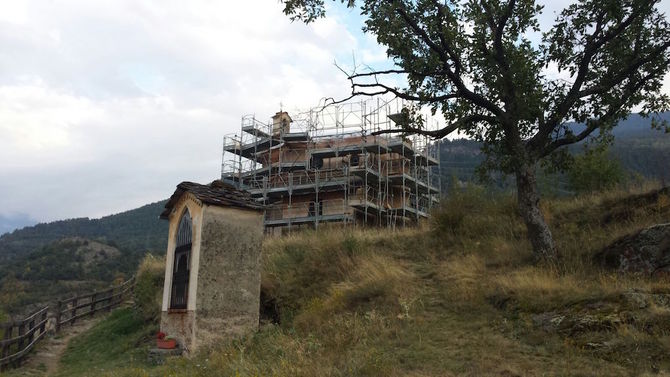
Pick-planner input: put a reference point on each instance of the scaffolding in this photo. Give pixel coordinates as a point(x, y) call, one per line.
point(328, 165)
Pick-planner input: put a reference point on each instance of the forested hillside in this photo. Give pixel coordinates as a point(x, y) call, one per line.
point(58, 259)
point(639, 148)
point(47, 261)
point(59, 270)
point(648, 156)
point(136, 231)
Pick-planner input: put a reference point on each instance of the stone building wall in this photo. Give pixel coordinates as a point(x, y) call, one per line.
point(228, 286)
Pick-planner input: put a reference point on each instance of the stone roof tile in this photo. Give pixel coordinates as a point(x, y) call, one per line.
point(216, 193)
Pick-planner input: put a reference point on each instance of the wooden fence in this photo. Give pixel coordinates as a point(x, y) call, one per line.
point(21, 336)
point(70, 310)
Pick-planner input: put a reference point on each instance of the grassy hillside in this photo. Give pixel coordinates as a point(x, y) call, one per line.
point(458, 296)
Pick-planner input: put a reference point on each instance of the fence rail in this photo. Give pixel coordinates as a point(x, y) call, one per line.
point(19, 337)
point(70, 310)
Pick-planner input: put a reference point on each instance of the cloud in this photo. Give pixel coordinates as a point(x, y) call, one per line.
point(106, 105)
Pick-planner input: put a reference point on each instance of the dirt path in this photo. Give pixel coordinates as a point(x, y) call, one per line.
point(45, 359)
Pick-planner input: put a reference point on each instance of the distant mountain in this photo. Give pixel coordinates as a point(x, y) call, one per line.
point(638, 147)
point(9, 223)
point(458, 160)
point(633, 126)
point(135, 232)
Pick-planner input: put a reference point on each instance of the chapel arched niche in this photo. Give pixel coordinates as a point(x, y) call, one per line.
point(182, 262)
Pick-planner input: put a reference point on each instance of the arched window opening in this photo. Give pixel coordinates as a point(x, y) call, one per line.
point(181, 269)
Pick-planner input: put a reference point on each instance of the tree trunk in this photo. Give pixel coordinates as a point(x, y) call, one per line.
point(529, 207)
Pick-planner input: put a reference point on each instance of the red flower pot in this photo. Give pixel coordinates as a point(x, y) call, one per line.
point(166, 343)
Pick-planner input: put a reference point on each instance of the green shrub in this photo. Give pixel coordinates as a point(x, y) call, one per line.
point(594, 170)
point(149, 287)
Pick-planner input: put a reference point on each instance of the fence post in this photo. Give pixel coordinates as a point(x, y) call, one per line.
point(5, 348)
point(131, 289)
point(93, 298)
point(74, 311)
point(115, 299)
point(31, 329)
point(110, 300)
point(44, 320)
point(58, 315)
point(22, 331)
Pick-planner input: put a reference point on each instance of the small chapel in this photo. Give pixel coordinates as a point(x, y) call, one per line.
point(212, 276)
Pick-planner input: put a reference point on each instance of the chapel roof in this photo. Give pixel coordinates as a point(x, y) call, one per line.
point(217, 193)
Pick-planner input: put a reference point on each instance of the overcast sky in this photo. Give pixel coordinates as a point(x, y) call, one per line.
point(107, 105)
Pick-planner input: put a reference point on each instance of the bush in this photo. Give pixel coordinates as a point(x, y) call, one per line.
point(149, 287)
point(473, 213)
point(595, 170)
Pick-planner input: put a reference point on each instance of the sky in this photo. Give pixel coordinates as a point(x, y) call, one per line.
point(107, 105)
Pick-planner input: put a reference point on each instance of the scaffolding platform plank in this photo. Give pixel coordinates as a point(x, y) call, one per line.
point(249, 150)
point(330, 185)
point(308, 220)
point(296, 136)
point(252, 130)
point(363, 171)
point(361, 204)
point(336, 152)
point(401, 147)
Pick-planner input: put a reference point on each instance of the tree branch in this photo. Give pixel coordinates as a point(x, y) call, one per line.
point(404, 95)
point(590, 50)
point(632, 68)
point(593, 43)
point(499, 56)
point(458, 65)
point(631, 89)
point(466, 93)
point(438, 134)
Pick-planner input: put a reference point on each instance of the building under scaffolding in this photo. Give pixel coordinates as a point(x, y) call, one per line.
point(327, 165)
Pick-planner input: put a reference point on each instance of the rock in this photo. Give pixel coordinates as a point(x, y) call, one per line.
point(590, 322)
point(573, 321)
point(641, 300)
point(157, 356)
point(636, 299)
point(647, 252)
point(547, 321)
